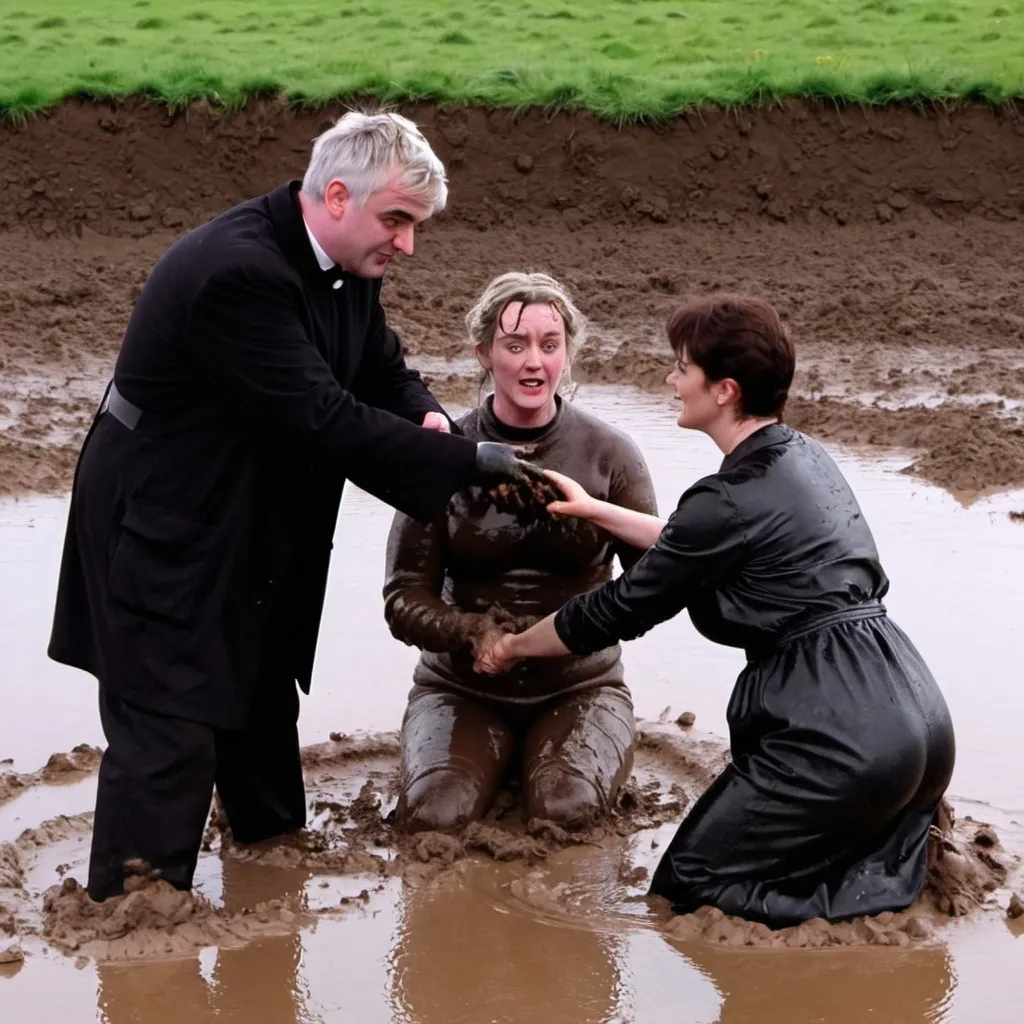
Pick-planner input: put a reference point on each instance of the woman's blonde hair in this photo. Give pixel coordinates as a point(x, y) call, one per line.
point(531, 290)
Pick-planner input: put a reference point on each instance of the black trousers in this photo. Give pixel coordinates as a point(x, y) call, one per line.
point(157, 777)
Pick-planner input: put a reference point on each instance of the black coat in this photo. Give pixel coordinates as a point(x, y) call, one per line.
point(841, 741)
point(198, 542)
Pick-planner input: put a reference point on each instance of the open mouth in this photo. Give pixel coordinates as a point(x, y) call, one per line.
point(531, 384)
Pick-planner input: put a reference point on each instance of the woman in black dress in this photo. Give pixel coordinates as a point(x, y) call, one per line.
point(841, 741)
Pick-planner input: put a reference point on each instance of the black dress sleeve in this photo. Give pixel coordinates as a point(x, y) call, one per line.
point(704, 539)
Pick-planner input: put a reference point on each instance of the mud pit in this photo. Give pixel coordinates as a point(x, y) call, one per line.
point(352, 786)
point(888, 239)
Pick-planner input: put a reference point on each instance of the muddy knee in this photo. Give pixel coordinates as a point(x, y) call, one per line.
point(577, 755)
point(559, 795)
point(440, 802)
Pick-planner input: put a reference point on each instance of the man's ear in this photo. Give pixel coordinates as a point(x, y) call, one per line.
point(337, 197)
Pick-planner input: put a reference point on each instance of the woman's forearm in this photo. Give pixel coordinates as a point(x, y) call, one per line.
point(638, 529)
point(422, 619)
point(539, 641)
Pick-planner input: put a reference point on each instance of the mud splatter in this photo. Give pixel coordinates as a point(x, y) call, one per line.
point(60, 766)
point(12, 875)
point(352, 784)
point(11, 954)
point(152, 919)
point(966, 865)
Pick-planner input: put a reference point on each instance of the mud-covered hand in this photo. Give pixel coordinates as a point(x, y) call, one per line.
point(500, 460)
point(498, 658)
point(486, 637)
point(576, 502)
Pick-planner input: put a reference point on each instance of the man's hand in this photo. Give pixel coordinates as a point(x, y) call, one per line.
point(499, 658)
point(437, 421)
point(499, 460)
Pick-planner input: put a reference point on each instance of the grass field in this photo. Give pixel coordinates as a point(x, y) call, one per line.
point(622, 58)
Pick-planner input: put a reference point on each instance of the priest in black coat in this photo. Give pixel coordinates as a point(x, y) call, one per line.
point(256, 375)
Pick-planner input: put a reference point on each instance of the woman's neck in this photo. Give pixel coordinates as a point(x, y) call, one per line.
point(729, 436)
point(513, 415)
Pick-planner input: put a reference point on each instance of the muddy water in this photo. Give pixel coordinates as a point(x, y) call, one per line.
point(567, 941)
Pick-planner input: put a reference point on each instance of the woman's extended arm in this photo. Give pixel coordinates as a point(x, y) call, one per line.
point(703, 542)
point(539, 641)
point(637, 529)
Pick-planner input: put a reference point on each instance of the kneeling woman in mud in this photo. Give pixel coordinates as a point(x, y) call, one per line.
point(841, 741)
point(494, 563)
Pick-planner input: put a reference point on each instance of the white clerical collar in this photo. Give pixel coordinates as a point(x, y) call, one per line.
point(322, 258)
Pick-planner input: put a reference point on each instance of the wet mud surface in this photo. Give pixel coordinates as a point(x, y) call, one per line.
point(268, 926)
point(890, 240)
point(352, 786)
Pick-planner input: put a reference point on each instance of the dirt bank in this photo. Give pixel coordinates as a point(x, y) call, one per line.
point(352, 788)
point(127, 168)
point(888, 238)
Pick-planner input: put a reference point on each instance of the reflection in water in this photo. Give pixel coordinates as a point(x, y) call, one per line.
point(127, 995)
point(460, 958)
point(259, 982)
point(563, 942)
point(837, 986)
point(507, 944)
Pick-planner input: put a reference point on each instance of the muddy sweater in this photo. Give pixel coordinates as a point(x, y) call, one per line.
point(442, 579)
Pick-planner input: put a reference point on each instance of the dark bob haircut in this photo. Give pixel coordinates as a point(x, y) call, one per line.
point(739, 337)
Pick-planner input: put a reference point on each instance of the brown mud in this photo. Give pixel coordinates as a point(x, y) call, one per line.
point(352, 784)
point(152, 919)
point(59, 767)
point(889, 239)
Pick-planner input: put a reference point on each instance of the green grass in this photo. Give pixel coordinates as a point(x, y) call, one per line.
point(625, 59)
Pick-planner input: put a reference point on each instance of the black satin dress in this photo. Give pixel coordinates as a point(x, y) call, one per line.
point(842, 744)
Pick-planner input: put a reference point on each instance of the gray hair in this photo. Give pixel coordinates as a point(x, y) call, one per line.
point(363, 149)
point(530, 289)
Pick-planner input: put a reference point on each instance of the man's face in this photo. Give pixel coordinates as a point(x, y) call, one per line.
point(363, 239)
